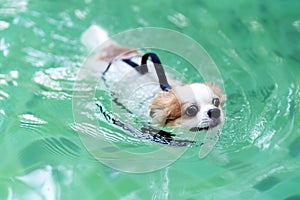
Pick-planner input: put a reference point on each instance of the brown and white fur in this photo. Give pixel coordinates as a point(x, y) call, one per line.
point(195, 106)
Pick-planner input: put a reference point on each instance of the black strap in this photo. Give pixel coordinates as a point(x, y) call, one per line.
point(146, 132)
point(127, 61)
point(130, 62)
point(163, 82)
point(143, 69)
point(106, 70)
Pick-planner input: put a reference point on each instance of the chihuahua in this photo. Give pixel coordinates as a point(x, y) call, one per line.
point(194, 106)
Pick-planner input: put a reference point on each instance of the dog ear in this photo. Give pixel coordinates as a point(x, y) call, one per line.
point(217, 90)
point(165, 107)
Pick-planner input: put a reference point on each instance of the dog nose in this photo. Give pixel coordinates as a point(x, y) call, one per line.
point(214, 113)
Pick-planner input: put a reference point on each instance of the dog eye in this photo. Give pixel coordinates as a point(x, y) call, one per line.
point(216, 102)
point(191, 111)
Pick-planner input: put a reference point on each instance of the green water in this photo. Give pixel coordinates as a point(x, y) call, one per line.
point(255, 44)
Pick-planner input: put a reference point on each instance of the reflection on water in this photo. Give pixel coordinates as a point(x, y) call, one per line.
point(42, 184)
point(57, 79)
point(4, 46)
point(12, 7)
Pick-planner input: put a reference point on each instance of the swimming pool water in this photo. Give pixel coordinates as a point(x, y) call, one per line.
point(256, 46)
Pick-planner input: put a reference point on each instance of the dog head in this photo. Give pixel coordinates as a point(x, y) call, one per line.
point(193, 106)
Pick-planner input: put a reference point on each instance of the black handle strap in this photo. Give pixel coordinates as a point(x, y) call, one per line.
point(163, 82)
point(143, 69)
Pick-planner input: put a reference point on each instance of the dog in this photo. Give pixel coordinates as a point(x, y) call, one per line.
point(192, 106)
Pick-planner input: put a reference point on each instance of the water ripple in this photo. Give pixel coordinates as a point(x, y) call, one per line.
point(4, 46)
point(179, 20)
point(260, 117)
point(3, 25)
point(49, 150)
point(9, 79)
point(12, 7)
point(41, 180)
point(30, 121)
point(2, 119)
point(59, 79)
point(39, 58)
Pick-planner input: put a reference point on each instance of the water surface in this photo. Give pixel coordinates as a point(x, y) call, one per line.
point(256, 46)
